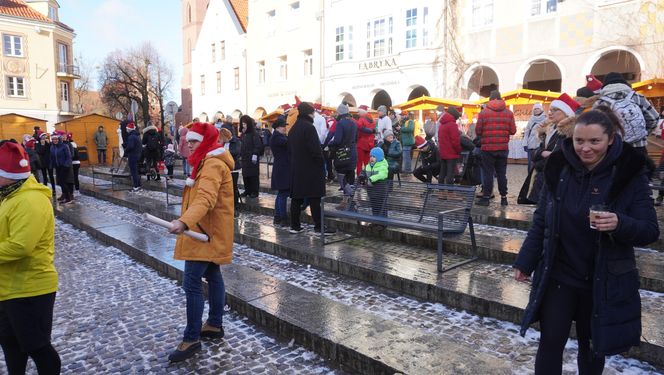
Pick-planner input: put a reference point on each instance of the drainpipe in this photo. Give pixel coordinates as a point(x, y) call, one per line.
point(321, 44)
point(447, 3)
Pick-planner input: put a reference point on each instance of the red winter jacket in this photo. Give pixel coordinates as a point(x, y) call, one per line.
point(449, 140)
point(495, 124)
point(366, 132)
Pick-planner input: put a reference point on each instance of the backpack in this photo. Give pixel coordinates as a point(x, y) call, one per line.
point(631, 116)
point(153, 142)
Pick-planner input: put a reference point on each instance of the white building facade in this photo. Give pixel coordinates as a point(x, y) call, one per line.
point(387, 52)
point(219, 64)
point(284, 53)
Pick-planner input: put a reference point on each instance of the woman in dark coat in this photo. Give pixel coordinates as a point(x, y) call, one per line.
point(307, 174)
point(280, 170)
point(580, 273)
point(61, 161)
point(43, 148)
point(252, 147)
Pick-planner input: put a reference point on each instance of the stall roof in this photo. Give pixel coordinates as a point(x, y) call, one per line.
point(651, 88)
point(84, 116)
point(24, 116)
point(525, 96)
point(424, 103)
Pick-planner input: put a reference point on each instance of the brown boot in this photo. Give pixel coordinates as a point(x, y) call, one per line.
point(212, 332)
point(185, 350)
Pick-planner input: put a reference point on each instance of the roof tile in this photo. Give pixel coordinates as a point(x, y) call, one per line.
point(241, 8)
point(18, 8)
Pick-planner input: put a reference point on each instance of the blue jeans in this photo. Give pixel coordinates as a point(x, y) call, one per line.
point(280, 204)
point(101, 156)
point(193, 289)
point(185, 167)
point(494, 163)
point(407, 161)
point(133, 169)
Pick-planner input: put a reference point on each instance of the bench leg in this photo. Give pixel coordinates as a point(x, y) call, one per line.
point(439, 257)
point(471, 229)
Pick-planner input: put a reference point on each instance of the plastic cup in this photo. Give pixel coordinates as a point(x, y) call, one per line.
point(597, 210)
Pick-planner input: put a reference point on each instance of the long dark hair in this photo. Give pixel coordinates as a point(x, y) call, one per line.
point(604, 117)
point(249, 122)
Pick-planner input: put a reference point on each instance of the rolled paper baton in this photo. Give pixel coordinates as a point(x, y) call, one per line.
point(163, 223)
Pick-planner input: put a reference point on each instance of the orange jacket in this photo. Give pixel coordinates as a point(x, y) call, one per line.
point(207, 207)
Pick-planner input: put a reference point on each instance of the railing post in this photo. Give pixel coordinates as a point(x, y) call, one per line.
point(439, 258)
point(322, 220)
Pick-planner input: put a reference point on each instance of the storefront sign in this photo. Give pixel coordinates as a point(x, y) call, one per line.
point(378, 64)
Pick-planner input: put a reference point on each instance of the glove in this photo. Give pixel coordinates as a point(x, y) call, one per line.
point(525, 148)
point(254, 159)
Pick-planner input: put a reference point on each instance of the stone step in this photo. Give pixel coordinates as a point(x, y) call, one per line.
point(494, 244)
point(358, 341)
point(511, 217)
point(482, 287)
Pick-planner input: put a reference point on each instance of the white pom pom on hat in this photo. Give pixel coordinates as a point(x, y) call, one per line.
point(14, 163)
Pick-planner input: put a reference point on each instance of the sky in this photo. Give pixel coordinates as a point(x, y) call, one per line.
point(103, 26)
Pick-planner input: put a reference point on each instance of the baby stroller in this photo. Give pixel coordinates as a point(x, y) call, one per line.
point(147, 166)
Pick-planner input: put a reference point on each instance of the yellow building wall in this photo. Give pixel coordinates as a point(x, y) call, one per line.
point(83, 130)
point(15, 126)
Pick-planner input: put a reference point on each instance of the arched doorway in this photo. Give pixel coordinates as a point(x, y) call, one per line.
point(236, 115)
point(418, 92)
point(620, 61)
point(483, 80)
point(381, 98)
point(348, 99)
point(258, 113)
point(543, 75)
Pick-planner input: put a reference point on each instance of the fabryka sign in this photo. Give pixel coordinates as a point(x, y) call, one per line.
point(378, 64)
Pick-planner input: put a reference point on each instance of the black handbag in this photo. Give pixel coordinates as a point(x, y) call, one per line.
point(342, 156)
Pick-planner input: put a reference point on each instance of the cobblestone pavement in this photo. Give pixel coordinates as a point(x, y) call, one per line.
point(113, 315)
point(495, 336)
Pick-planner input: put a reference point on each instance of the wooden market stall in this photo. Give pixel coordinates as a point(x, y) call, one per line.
point(83, 129)
point(653, 89)
point(425, 105)
point(14, 126)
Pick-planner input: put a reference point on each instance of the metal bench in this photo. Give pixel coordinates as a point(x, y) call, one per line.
point(114, 173)
point(436, 208)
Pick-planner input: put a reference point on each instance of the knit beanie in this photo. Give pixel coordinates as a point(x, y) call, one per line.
point(454, 112)
point(584, 92)
point(304, 109)
point(495, 94)
point(342, 109)
point(377, 153)
point(614, 77)
point(382, 108)
point(387, 133)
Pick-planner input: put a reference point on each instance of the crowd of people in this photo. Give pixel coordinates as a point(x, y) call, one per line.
point(589, 175)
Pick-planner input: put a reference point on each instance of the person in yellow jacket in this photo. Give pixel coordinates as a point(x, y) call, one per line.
point(28, 279)
point(207, 207)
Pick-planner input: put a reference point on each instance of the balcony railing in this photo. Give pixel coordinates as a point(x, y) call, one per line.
point(70, 70)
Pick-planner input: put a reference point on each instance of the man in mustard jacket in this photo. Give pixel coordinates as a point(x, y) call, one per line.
point(28, 279)
point(207, 207)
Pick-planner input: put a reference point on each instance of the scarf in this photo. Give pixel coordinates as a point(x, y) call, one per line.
point(6, 190)
point(209, 143)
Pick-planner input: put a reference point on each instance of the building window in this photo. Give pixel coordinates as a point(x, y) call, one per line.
point(63, 57)
point(15, 86)
point(482, 12)
point(218, 82)
point(378, 35)
point(538, 7)
point(295, 6)
point(189, 13)
point(411, 28)
point(52, 13)
point(214, 52)
point(261, 72)
point(425, 27)
point(339, 41)
point(64, 96)
point(222, 49)
point(308, 63)
point(271, 22)
point(202, 84)
point(283, 67)
point(349, 43)
point(12, 45)
point(236, 76)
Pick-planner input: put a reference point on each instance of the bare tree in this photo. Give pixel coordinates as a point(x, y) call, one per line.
point(138, 74)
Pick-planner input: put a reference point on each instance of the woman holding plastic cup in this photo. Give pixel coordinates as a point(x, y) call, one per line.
point(579, 273)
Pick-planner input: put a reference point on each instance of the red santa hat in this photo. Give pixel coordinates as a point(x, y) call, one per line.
point(317, 106)
point(420, 142)
point(131, 127)
point(593, 83)
point(208, 135)
point(566, 104)
point(286, 107)
point(14, 164)
point(363, 108)
point(58, 134)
